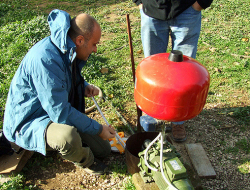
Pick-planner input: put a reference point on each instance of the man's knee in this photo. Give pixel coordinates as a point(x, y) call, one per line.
point(60, 136)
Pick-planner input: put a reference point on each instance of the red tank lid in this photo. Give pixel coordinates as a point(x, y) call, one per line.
point(171, 86)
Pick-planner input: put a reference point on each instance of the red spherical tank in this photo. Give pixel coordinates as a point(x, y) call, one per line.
point(171, 86)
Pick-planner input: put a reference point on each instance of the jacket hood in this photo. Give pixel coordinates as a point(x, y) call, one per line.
point(59, 23)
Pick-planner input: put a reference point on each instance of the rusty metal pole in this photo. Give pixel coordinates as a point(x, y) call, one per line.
point(139, 112)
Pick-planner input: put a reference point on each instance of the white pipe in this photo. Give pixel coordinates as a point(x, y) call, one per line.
point(146, 152)
point(161, 161)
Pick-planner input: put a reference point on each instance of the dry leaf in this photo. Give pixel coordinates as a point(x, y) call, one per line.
point(224, 37)
point(227, 126)
point(245, 39)
point(217, 70)
point(104, 70)
point(205, 20)
point(236, 63)
point(212, 49)
point(139, 51)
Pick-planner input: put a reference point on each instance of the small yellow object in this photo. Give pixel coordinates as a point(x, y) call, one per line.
point(245, 39)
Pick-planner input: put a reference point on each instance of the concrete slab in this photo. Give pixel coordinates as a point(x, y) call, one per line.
point(140, 185)
point(200, 161)
point(4, 178)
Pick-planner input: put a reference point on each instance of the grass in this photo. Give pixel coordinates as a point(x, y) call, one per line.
point(229, 60)
point(16, 182)
point(244, 167)
point(244, 144)
point(223, 48)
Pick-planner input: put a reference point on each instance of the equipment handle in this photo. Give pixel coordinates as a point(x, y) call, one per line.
point(116, 135)
point(99, 109)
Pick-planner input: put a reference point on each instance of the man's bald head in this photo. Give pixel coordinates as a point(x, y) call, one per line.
point(83, 24)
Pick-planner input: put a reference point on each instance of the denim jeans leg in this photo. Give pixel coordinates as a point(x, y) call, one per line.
point(178, 123)
point(185, 31)
point(154, 35)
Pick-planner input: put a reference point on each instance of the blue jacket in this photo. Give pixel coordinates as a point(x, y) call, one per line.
point(40, 88)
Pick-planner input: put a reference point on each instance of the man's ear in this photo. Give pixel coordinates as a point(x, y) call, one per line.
point(80, 40)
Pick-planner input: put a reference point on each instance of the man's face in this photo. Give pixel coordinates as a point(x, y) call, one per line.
point(85, 47)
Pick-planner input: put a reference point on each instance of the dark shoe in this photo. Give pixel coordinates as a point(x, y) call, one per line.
point(97, 168)
point(179, 133)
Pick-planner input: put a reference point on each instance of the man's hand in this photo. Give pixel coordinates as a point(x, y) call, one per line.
point(107, 132)
point(91, 91)
point(196, 6)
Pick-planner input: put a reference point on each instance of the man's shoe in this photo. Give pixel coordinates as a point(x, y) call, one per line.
point(179, 133)
point(97, 168)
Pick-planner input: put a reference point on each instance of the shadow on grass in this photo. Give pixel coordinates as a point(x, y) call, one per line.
point(240, 114)
point(18, 10)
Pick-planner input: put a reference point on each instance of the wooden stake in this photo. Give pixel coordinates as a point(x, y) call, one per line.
point(139, 112)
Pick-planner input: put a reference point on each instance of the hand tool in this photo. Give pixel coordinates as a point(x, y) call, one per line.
point(118, 142)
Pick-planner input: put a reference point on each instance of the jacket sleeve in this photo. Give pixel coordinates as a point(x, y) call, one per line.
point(49, 80)
point(205, 3)
point(137, 2)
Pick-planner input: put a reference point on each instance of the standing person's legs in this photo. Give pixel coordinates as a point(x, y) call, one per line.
point(154, 35)
point(68, 142)
point(185, 32)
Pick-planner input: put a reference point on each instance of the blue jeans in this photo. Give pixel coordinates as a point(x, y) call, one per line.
point(184, 31)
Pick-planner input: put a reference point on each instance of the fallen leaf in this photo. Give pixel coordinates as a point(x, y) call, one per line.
point(245, 39)
point(205, 20)
point(224, 37)
point(217, 70)
point(227, 126)
point(104, 70)
point(139, 51)
point(212, 49)
point(236, 63)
